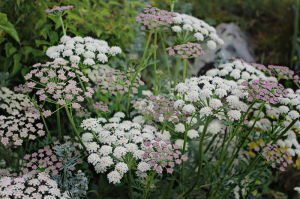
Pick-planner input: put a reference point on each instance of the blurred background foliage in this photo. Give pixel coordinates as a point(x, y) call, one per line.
point(26, 31)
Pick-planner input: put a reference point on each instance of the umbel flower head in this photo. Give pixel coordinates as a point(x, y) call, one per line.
point(15, 129)
point(153, 17)
point(216, 97)
point(197, 30)
point(161, 155)
point(283, 72)
point(87, 51)
point(31, 185)
point(275, 156)
point(59, 9)
point(185, 51)
point(264, 90)
point(115, 143)
point(56, 83)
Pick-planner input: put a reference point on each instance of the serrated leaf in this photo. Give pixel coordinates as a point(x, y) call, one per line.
point(8, 27)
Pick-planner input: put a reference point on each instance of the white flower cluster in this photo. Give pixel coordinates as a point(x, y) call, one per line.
point(202, 32)
point(87, 50)
point(115, 142)
point(32, 185)
point(209, 91)
point(239, 71)
point(13, 103)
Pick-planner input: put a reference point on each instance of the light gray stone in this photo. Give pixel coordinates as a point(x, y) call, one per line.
point(236, 44)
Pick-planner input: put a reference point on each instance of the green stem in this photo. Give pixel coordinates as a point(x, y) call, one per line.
point(184, 70)
point(146, 47)
point(166, 57)
point(169, 190)
point(239, 148)
point(58, 122)
point(172, 4)
point(43, 119)
point(182, 165)
point(129, 91)
point(130, 184)
point(74, 126)
point(139, 68)
point(201, 154)
point(117, 104)
point(155, 66)
point(176, 71)
point(285, 130)
point(146, 190)
point(62, 25)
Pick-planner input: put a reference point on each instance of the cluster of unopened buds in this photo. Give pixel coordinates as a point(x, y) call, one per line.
point(162, 155)
point(155, 18)
point(186, 51)
point(265, 90)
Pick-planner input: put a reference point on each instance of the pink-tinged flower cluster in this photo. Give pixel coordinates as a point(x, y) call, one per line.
point(284, 72)
point(153, 17)
point(261, 67)
point(56, 82)
point(277, 157)
point(15, 129)
point(281, 72)
point(45, 159)
point(101, 106)
point(32, 185)
point(161, 155)
point(115, 81)
point(59, 9)
point(160, 109)
point(264, 90)
point(185, 51)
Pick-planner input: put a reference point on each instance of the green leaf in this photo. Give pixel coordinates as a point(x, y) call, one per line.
point(17, 64)
point(2, 39)
point(53, 37)
point(41, 42)
point(9, 49)
point(8, 27)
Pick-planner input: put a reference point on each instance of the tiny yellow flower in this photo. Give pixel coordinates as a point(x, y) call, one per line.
point(254, 192)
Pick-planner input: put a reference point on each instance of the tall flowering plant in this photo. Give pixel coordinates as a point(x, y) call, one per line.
point(82, 125)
